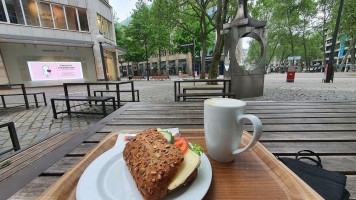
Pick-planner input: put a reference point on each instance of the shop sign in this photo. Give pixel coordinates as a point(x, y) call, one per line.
point(55, 70)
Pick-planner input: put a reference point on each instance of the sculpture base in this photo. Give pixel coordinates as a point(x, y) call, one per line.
point(247, 86)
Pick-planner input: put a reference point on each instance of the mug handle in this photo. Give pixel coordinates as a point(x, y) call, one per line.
point(257, 131)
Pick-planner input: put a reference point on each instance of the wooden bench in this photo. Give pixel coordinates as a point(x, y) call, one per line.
point(160, 77)
point(204, 95)
point(138, 77)
point(183, 75)
point(33, 93)
point(102, 91)
point(89, 99)
point(200, 88)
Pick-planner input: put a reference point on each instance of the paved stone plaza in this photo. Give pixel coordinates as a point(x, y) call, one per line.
point(37, 124)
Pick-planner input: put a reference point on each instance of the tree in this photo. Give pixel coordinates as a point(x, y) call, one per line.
point(307, 10)
point(326, 8)
point(193, 11)
point(141, 34)
point(163, 13)
point(348, 26)
point(221, 17)
point(183, 36)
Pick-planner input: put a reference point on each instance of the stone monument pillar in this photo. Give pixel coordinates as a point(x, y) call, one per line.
point(244, 83)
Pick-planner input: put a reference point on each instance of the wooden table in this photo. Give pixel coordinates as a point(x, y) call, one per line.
point(327, 128)
point(23, 89)
point(106, 83)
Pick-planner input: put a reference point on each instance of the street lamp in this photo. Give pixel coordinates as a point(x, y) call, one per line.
point(101, 39)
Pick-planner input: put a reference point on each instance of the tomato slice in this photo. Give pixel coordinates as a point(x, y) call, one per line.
point(182, 142)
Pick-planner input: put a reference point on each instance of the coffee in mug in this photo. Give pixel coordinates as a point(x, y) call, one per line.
point(223, 125)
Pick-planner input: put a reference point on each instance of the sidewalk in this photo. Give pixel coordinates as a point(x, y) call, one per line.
point(37, 124)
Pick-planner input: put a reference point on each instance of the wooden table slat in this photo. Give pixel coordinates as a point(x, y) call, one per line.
point(264, 121)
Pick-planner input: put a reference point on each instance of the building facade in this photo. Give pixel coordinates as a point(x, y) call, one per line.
point(341, 49)
point(50, 42)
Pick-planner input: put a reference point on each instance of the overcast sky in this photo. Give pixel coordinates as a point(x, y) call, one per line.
point(123, 8)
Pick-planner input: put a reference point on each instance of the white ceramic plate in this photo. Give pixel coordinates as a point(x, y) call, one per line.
point(109, 178)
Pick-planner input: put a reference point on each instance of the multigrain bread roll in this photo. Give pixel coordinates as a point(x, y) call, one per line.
point(153, 162)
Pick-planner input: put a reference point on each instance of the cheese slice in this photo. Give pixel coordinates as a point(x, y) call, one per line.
point(190, 163)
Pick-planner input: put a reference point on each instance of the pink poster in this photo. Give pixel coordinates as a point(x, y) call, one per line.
point(55, 70)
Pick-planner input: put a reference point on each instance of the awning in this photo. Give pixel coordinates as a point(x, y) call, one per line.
point(114, 48)
point(43, 40)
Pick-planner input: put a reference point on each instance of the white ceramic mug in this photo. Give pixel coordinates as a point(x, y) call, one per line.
point(223, 125)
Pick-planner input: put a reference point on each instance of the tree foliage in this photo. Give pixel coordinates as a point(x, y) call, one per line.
point(191, 14)
point(292, 30)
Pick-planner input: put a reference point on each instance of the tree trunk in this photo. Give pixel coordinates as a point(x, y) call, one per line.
point(272, 55)
point(305, 50)
point(221, 15)
point(159, 62)
point(213, 74)
point(203, 58)
point(148, 75)
point(324, 35)
point(220, 19)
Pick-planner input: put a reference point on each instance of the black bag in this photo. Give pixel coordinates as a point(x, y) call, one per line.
point(328, 184)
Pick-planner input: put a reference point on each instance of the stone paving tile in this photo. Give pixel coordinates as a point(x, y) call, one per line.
point(37, 124)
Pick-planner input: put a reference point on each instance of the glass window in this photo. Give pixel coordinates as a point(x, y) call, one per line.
point(58, 15)
point(45, 14)
point(72, 19)
point(2, 13)
point(109, 29)
point(29, 7)
point(14, 11)
point(99, 24)
point(105, 27)
point(83, 20)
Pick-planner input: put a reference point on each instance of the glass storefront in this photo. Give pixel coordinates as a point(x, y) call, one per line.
point(182, 66)
point(50, 15)
point(154, 69)
point(163, 68)
point(172, 67)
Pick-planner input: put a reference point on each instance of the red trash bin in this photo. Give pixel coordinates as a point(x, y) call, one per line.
point(291, 73)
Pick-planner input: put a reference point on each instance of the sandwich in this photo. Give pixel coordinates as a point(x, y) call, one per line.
point(161, 163)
